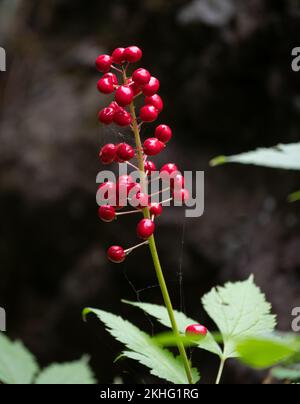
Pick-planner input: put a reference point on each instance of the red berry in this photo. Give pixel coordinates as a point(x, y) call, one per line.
point(145, 229)
point(148, 113)
point(134, 86)
point(124, 95)
point(103, 63)
point(141, 77)
point(155, 209)
point(140, 200)
point(127, 179)
point(156, 101)
point(169, 169)
point(177, 181)
point(111, 76)
point(151, 88)
point(124, 185)
point(122, 117)
point(118, 56)
point(106, 85)
point(114, 105)
point(150, 167)
point(153, 146)
point(133, 54)
point(181, 195)
point(163, 133)
point(134, 190)
point(108, 191)
point(196, 329)
point(107, 115)
point(107, 213)
point(116, 254)
point(108, 153)
point(125, 152)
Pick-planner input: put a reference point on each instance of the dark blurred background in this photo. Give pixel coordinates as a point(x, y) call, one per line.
point(225, 69)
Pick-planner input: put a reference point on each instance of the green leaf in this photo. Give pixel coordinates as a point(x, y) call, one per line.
point(294, 197)
point(161, 314)
point(77, 372)
point(161, 362)
point(291, 372)
point(17, 364)
point(239, 310)
point(285, 156)
point(266, 351)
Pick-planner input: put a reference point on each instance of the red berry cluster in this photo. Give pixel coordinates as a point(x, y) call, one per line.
point(140, 83)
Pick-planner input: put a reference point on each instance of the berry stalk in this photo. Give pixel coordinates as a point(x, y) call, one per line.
point(153, 248)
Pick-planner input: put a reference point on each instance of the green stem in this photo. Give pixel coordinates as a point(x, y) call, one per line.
point(153, 250)
point(220, 372)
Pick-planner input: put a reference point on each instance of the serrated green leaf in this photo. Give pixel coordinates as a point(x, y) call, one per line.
point(77, 372)
point(266, 351)
point(291, 372)
point(161, 314)
point(17, 364)
point(161, 362)
point(284, 156)
point(239, 310)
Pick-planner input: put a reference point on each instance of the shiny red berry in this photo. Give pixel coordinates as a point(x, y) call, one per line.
point(114, 105)
point(107, 191)
point(153, 146)
point(151, 88)
point(125, 152)
point(108, 153)
point(122, 117)
point(155, 209)
point(116, 254)
point(103, 63)
point(169, 169)
point(181, 195)
point(124, 95)
point(196, 329)
point(107, 213)
point(145, 229)
point(133, 54)
point(163, 133)
point(150, 167)
point(141, 77)
point(125, 179)
point(111, 76)
point(139, 200)
point(134, 190)
point(134, 86)
point(106, 85)
point(148, 113)
point(177, 181)
point(156, 101)
point(124, 185)
point(106, 115)
point(118, 56)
